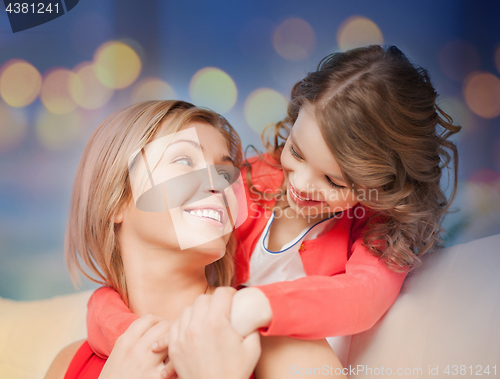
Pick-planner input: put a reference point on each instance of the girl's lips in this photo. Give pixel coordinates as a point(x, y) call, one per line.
point(299, 200)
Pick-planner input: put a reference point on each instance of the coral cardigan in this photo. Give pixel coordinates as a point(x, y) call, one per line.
point(346, 291)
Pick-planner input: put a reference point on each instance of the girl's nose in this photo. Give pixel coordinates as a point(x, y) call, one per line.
point(301, 179)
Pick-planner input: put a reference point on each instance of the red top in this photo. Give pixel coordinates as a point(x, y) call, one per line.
point(85, 364)
point(346, 291)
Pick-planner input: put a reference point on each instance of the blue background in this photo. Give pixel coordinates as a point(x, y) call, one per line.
point(175, 39)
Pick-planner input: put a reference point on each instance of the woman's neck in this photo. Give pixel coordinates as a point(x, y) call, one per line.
point(162, 282)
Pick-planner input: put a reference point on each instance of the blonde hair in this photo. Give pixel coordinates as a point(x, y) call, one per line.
point(102, 187)
point(378, 115)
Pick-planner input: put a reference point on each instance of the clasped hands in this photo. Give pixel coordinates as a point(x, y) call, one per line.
point(209, 340)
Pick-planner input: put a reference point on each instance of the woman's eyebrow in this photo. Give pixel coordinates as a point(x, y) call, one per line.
point(192, 142)
point(225, 158)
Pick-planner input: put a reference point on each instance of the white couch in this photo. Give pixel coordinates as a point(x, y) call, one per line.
point(447, 315)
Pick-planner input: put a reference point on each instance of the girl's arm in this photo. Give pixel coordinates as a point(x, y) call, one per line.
point(203, 344)
point(342, 304)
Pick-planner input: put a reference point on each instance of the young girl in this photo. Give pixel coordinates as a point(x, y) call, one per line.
point(155, 200)
point(342, 205)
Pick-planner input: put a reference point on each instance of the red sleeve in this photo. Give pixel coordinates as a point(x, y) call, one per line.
point(108, 317)
point(317, 307)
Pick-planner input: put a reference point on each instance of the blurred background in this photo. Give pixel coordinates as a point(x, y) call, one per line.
point(241, 58)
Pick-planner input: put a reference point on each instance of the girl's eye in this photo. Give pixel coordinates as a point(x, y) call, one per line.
point(184, 160)
point(294, 153)
point(332, 184)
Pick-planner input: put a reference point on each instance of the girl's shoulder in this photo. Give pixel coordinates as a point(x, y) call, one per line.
point(364, 218)
point(264, 171)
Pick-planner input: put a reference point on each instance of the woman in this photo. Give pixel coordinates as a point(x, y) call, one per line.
point(154, 203)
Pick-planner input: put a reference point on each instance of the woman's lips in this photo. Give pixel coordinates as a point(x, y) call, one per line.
point(300, 200)
point(211, 215)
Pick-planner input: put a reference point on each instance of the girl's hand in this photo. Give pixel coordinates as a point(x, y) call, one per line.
point(132, 356)
point(202, 344)
point(250, 311)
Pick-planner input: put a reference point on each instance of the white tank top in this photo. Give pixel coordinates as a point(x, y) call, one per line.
point(286, 264)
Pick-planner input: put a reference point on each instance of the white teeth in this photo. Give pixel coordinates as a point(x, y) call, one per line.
point(208, 213)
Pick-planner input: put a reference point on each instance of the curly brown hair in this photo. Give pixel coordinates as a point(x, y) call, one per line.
point(378, 115)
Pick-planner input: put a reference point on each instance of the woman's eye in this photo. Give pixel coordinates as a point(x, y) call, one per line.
point(226, 176)
point(184, 160)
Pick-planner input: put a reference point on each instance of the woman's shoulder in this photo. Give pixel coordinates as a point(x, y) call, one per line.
point(61, 362)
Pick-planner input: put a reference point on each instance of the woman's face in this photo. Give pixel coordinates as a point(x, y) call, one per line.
point(315, 184)
point(183, 189)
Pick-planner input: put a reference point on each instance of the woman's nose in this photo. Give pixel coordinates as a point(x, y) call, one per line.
point(214, 183)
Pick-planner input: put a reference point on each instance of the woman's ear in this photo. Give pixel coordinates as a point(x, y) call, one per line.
point(120, 214)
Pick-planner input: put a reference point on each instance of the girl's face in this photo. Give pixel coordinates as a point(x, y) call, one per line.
point(315, 184)
point(184, 198)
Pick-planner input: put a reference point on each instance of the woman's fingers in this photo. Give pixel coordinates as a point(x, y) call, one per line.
point(168, 372)
point(156, 332)
point(200, 309)
point(221, 302)
point(138, 328)
point(251, 346)
point(161, 344)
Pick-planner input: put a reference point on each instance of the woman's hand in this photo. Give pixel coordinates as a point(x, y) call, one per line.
point(132, 356)
point(202, 344)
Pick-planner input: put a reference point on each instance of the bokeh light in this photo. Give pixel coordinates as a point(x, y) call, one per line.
point(117, 65)
point(482, 94)
point(458, 59)
point(358, 31)
point(20, 83)
point(213, 88)
point(55, 93)
point(460, 113)
point(294, 39)
point(152, 89)
point(86, 90)
point(482, 197)
point(57, 132)
point(497, 58)
point(264, 106)
point(13, 127)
